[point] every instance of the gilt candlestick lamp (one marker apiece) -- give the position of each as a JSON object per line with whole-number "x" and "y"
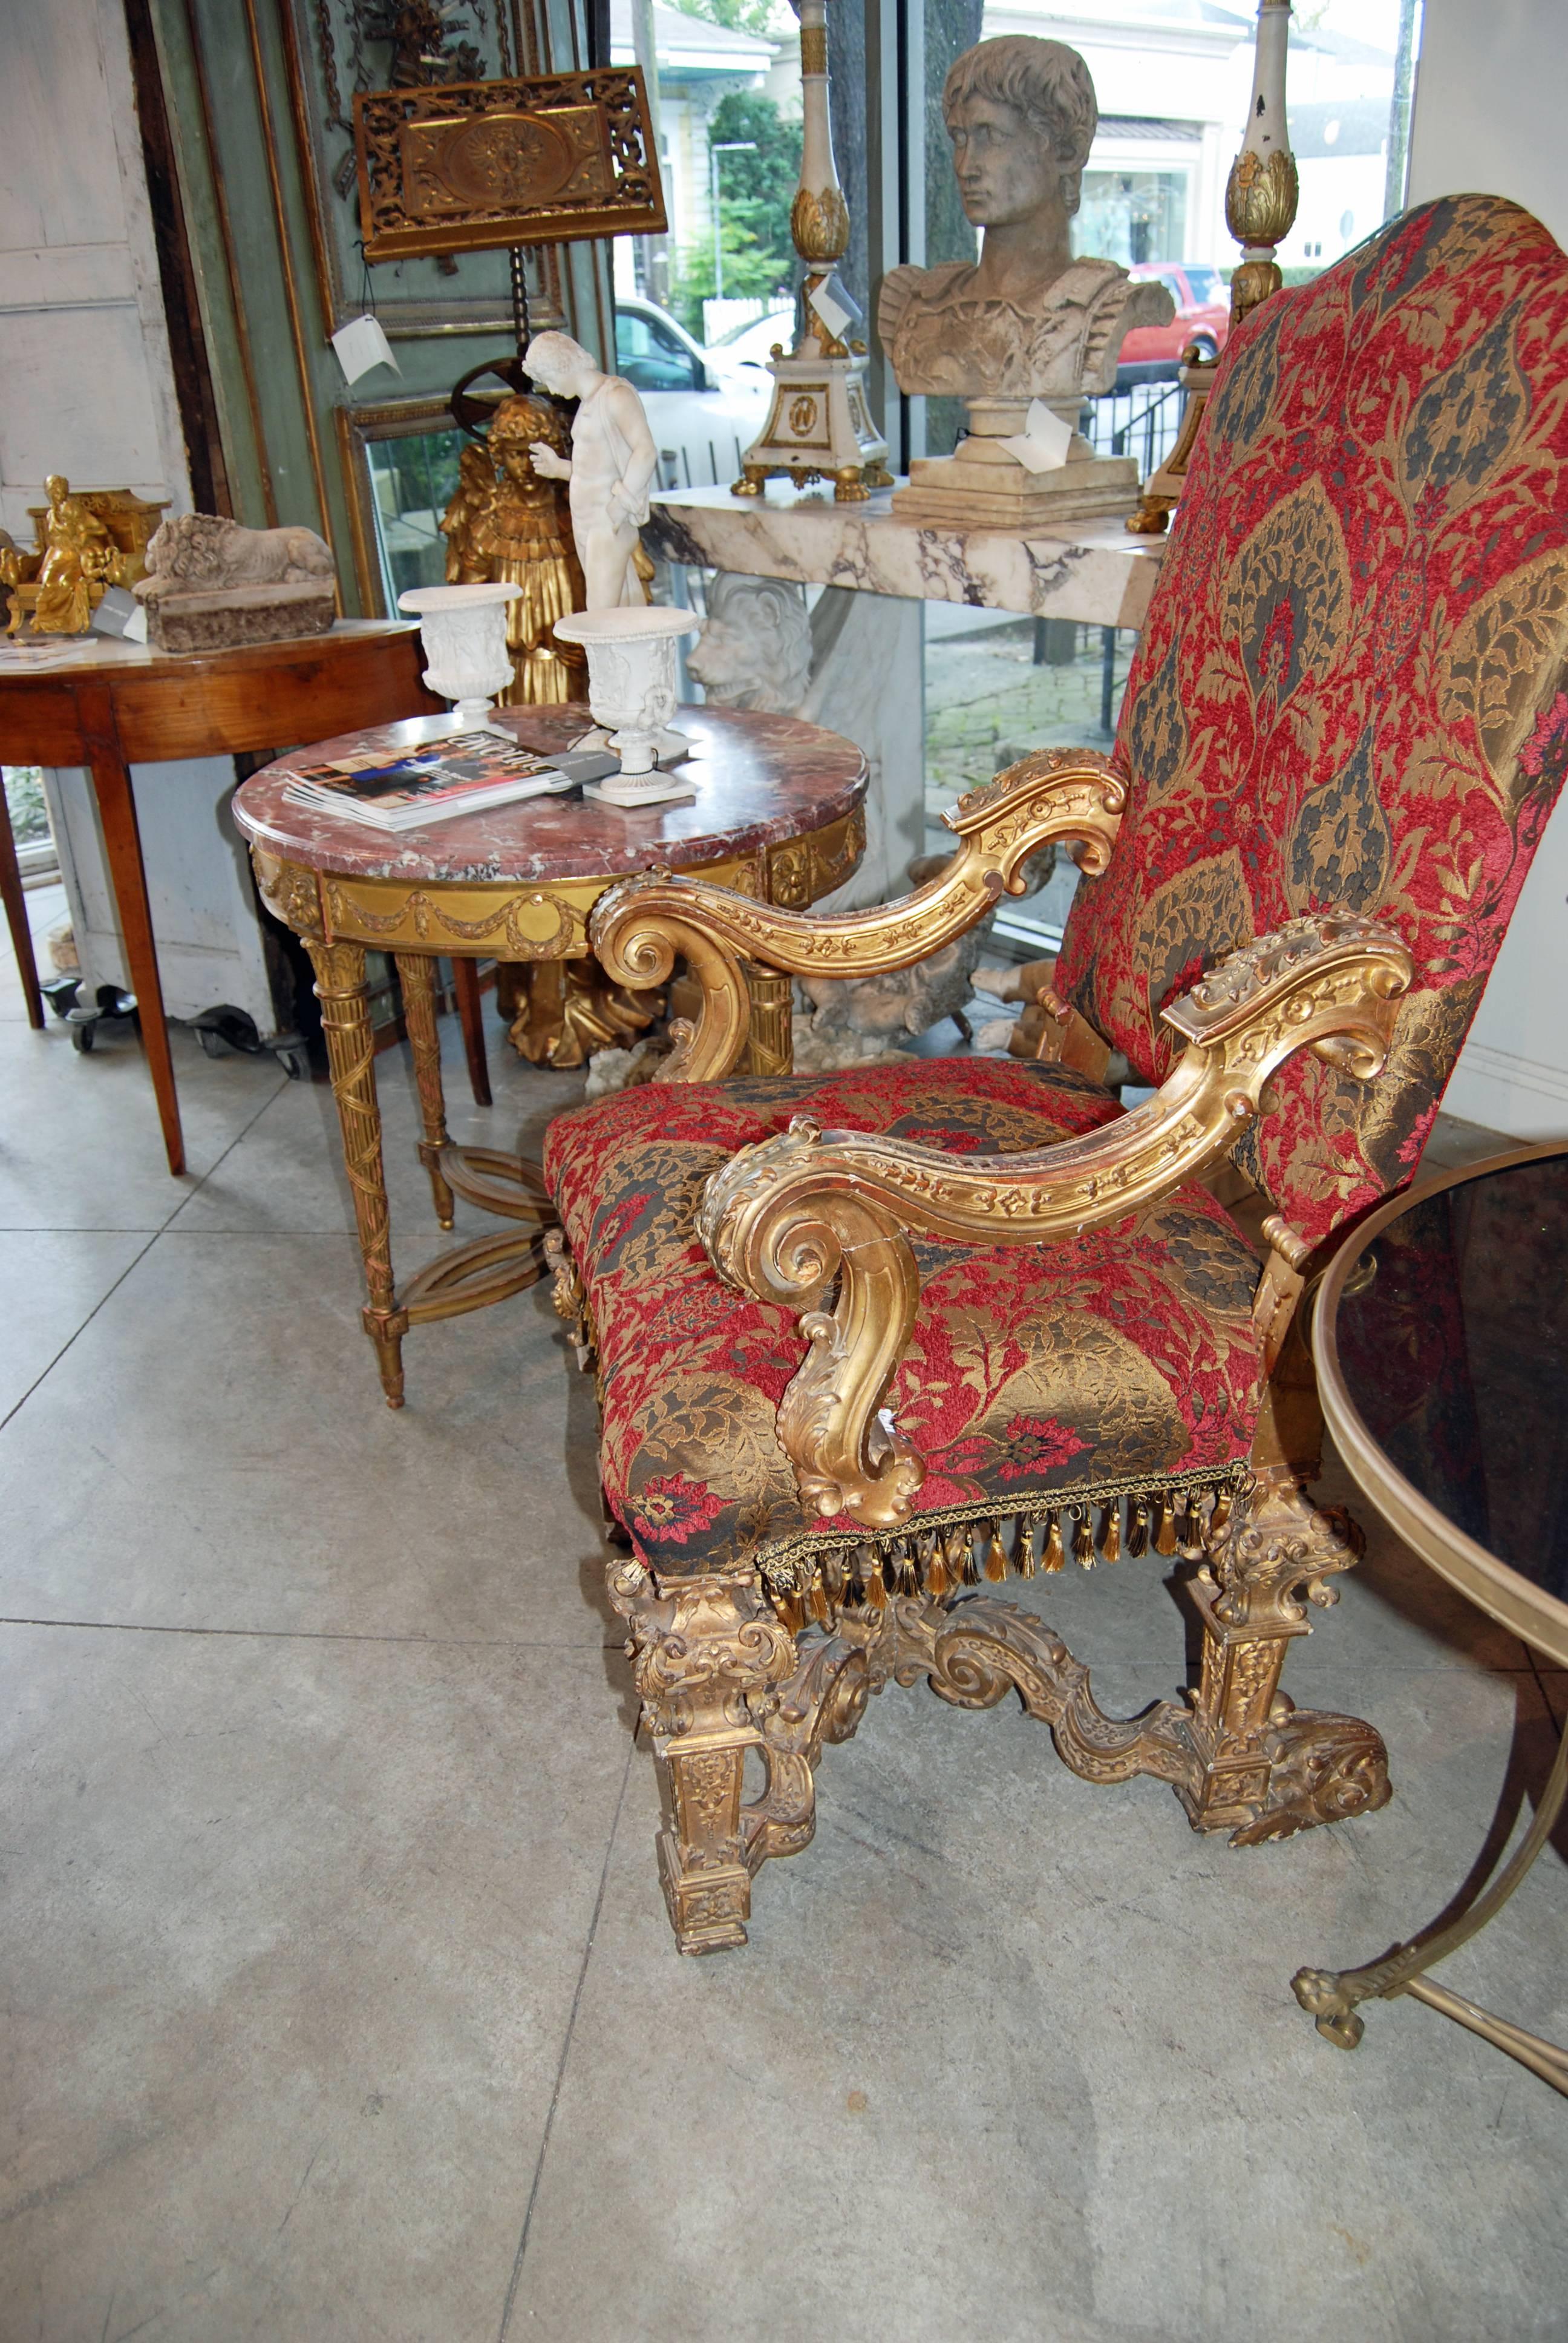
{"x": 820, "y": 426}
{"x": 464, "y": 632}
{"x": 631, "y": 692}
{"x": 1263, "y": 190}
{"x": 1260, "y": 199}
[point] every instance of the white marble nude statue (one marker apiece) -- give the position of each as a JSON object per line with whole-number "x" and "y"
{"x": 612, "y": 467}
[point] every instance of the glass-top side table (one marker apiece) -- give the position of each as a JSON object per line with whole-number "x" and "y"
{"x": 1441, "y": 1332}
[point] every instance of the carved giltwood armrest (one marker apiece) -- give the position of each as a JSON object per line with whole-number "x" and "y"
{"x": 641, "y": 927}
{"x": 785, "y": 1217}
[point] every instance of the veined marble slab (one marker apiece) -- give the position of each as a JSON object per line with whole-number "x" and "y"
{"x": 1103, "y": 577}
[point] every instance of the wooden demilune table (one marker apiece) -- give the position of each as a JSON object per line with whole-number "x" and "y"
{"x": 778, "y": 814}
{"x": 125, "y": 704}
{"x": 1441, "y": 1342}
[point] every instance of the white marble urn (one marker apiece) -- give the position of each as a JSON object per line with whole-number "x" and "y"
{"x": 464, "y": 632}
{"x": 631, "y": 692}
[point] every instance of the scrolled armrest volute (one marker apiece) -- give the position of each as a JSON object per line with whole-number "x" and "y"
{"x": 789, "y": 1246}
{"x": 640, "y": 927}
{"x": 783, "y": 1218}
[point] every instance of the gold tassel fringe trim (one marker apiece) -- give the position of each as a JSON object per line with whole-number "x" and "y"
{"x": 940, "y": 1556}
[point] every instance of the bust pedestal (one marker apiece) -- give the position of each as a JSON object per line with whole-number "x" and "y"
{"x": 983, "y": 485}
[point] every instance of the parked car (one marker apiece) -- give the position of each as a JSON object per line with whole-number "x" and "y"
{"x": 749, "y": 348}
{"x": 704, "y": 408}
{"x": 1202, "y": 316}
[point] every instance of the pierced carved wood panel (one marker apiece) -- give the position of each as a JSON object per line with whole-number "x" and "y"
{"x": 549, "y": 158}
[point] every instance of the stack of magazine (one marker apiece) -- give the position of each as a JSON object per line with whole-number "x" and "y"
{"x": 468, "y": 772}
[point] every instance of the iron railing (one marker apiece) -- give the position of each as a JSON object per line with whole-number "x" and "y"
{"x": 1142, "y": 422}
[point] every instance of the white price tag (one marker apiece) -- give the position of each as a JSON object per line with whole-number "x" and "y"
{"x": 831, "y": 311}
{"x": 361, "y": 344}
{"x": 1042, "y": 445}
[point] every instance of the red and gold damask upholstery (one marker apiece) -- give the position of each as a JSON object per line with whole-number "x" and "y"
{"x": 1351, "y": 690}
{"x": 1125, "y": 1361}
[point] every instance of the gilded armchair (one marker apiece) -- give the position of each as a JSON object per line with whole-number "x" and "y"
{"x": 865, "y": 1343}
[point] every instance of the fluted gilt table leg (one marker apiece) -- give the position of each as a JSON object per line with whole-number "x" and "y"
{"x": 416, "y": 974}
{"x": 345, "y": 1000}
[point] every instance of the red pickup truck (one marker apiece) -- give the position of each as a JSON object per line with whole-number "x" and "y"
{"x": 1202, "y": 312}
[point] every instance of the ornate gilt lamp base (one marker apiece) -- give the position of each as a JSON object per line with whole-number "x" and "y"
{"x": 819, "y": 427}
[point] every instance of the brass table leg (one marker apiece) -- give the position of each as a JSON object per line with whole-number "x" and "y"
{"x": 1330, "y": 1995}
{"x": 341, "y": 990}
{"x": 417, "y": 975}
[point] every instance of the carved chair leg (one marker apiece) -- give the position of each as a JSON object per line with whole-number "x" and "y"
{"x": 1266, "y": 1768}
{"x": 719, "y": 1674}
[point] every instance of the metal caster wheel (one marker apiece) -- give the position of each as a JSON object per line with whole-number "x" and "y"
{"x": 109, "y": 1003}
{"x": 226, "y": 1027}
{"x": 61, "y": 993}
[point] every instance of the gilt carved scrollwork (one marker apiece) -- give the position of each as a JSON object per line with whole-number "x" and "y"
{"x": 641, "y": 927}
{"x": 809, "y": 1204}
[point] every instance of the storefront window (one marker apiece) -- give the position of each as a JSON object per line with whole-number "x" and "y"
{"x": 1133, "y": 216}
{"x": 727, "y": 100}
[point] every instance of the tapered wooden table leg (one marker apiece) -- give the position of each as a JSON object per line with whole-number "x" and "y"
{"x": 345, "y": 1000}
{"x": 471, "y": 1016}
{"x": 417, "y": 975}
{"x": 123, "y": 847}
{"x": 13, "y": 896}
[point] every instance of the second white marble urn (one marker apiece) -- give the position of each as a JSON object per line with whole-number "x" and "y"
{"x": 631, "y": 691}
{"x": 464, "y": 632}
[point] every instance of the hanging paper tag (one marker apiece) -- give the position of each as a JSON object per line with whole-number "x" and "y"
{"x": 1042, "y": 445}
{"x": 832, "y": 310}
{"x": 116, "y": 613}
{"x": 361, "y": 344}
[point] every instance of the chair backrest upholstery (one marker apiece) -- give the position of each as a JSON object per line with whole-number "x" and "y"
{"x": 1350, "y": 687}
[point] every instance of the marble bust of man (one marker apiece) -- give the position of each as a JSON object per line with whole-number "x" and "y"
{"x": 1027, "y": 320}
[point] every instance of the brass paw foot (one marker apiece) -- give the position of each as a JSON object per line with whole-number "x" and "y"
{"x": 1323, "y": 1999}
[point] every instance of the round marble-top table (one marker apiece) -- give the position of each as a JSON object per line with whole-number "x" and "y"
{"x": 778, "y": 814}
{"x": 1441, "y": 1332}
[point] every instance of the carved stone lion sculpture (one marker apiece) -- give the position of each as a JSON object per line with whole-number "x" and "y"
{"x": 755, "y": 651}
{"x": 214, "y": 585}
{"x": 201, "y": 549}
{"x": 859, "y": 1020}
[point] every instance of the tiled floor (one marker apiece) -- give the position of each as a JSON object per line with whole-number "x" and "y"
{"x": 340, "y": 1999}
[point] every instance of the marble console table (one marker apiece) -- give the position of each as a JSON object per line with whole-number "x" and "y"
{"x": 868, "y": 683}
{"x": 1103, "y": 577}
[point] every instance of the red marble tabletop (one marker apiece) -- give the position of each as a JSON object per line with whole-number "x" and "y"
{"x": 759, "y": 780}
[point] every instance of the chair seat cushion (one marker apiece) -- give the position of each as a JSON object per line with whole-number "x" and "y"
{"x": 1035, "y": 1375}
